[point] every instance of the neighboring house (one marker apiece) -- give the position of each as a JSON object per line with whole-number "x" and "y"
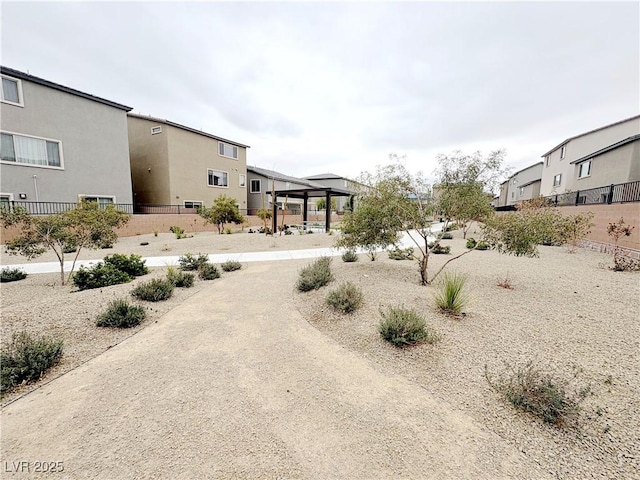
{"x": 336, "y": 181}
{"x": 599, "y": 157}
{"x": 524, "y": 184}
{"x": 61, "y": 145}
{"x": 504, "y": 194}
{"x": 261, "y": 182}
{"x": 172, "y": 164}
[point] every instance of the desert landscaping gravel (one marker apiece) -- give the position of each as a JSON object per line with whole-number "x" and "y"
{"x": 566, "y": 312}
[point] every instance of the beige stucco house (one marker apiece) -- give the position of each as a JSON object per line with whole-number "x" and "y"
{"x": 336, "y": 181}
{"x": 59, "y": 144}
{"x": 172, "y": 164}
{"x": 606, "y": 155}
{"x": 524, "y": 184}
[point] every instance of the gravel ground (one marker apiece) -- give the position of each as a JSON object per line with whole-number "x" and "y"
{"x": 566, "y": 312}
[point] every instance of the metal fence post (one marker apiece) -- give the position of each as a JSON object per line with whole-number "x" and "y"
{"x": 610, "y": 196}
{"x": 577, "y": 197}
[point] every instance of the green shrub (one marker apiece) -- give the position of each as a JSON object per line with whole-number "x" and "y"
{"x": 69, "y": 248}
{"x": 180, "y": 279}
{"x": 440, "y": 249}
{"x": 346, "y": 298}
{"x": 471, "y": 243}
{"x": 228, "y": 231}
{"x": 539, "y": 393}
{"x": 350, "y": 256}
{"x": 446, "y": 236}
{"x": 231, "y": 266}
{"x": 452, "y": 297}
{"x": 154, "y": 290}
{"x": 98, "y": 276}
{"x": 121, "y": 314}
{"x": 10, "y": 274}
{"x": 316, "y": 275}
{"x": 191, "y": 262}
{"x": 178, "y": 231}
{"x": 483, "y": 245}
{"x": 452, "y": 226}
{"x": 26, "y": 359}
{"x": 402, "y": 326}
{"x": 208, "y": 271}
{"x": 401, "y": 253}
{"x": 133, "y": 265}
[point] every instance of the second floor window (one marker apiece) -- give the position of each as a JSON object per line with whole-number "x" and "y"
{"x": 29, "y": 150}
{"x": 521, "y": 191}
{"x": 243, "y": 180}
{"x": 557, "y": 180}
{"x": 563, "y": 150}
{"x": 10, "y": 91}
{"x": 227, "y": 150}
{"x": 585, "y": 169}
{"x": 255, "y": 186}
{"x": 216, "y": 178}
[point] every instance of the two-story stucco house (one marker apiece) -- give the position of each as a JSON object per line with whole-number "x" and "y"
{"x": 61, "y": 145}
{"x": 336, "y": 181}
{"x": 524, "y": 184}
{"x": 606, "y": 155}
{"x": 172, "y": 164}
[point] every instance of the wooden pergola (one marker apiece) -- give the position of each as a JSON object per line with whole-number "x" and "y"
{"x": 305, "y": 194}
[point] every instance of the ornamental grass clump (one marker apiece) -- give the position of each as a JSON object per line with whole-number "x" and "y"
{"x": 180, "y": 279}
{"x": 452, "y": 296}
{"x": 347, "y": 298}
{"x": 402, "y": 327}
{"x": 316, "y": 275}
{"x": 154, "y": 290}
{"x": 538, "y": 393}
{"x": 121, "y": 314}
{"x": 26, "y": 359}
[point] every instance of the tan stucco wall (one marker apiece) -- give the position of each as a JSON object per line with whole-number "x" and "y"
{"x": 578, "y": 148}
{"x": 524, "y": 177}
{"x": 617, "y": 166}
{"x": 149, "y": 162}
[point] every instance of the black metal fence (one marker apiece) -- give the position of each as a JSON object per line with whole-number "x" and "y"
{"x": 614, "y": 193}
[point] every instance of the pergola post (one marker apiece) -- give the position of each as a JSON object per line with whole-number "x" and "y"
{"x": 305, "y": 210}
{"x": 275, "y": 217}
{"x": 327, "y": 220}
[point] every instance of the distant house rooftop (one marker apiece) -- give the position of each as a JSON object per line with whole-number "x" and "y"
{"x": 324, "y": 176}
{"x": 41, "y": 81}
{"x": 613, "y": 146}
{"x": 282, "y": 177}
{"x": 184, "y": 127}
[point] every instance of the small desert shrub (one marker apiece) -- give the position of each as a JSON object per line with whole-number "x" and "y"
{"x": 483, "y": 245}
{"x": 538, "y": 393}
{"x": 288, "y": 232}
{"x": 451, "y": 227}
{"x": 452, "y": 297}
{"x": 154, "y": 290}
{"x": 231, "y": 266}
{"x": 401, "y": 253}
{"x": 227, "y": 231}
{"x": 26, "y": 359}
{"x": 505, "y": 282}
{"x": 133, "y": 265}
{"x": 440, "y": 249}
{"x": 315, "y": 275}
{"x": 177, "y": 231}
{"x": 350, "y": 256}
{"x": 180, "y": 279}
{"x": 447, "y": 236}
{"x": 402, "y": 326}
{"x": 191, "y": 262}
{"x": 471, "y": 243}
{"x": 346, "y": 298}
{"x": 98, "y": 276}
{"x": 208, "y": 271}
{"x": 69, "y": 248}
{"x": 10, "y": 274}
{"x": 121, "y": 314}
{"x": 155, "y": 233}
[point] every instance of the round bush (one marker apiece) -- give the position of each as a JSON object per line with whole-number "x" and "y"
{"x": 402, "y": 327}
{"x": 231, "y": 266}
{"x": 316, "y": 275}
{"x": 209, "y": 271}
{"x": 133, "y": 265}
{"x": 154, "y": 290}
{"x": 350, "y": 256}
{"x": 98, "y": 276}
{"x": 121, "y": 315}
{"x": 346, "y": 298}
{"x": 9, "y": 274}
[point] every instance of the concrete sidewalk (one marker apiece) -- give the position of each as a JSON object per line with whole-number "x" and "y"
{"x": 234, "y": 383}
{"x": 163, "y": 261}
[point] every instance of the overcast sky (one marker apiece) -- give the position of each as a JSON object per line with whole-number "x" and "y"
{"x": 337, "y": 87}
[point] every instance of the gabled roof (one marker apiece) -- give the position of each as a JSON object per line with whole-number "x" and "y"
{"x": 526, "y": 168}
{"x": 46, "y": 83}
{"x": 613, "y": 146}
{"x": 588, "y": 133}
{"x": 282, "y": 177}
{"x": 184, "y": 127}
{"x": 325, "y": 176}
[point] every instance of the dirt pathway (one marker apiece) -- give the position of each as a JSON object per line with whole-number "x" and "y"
{"x": 229, "y": 385}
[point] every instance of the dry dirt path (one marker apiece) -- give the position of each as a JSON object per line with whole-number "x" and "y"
{"x": 232, "y": 385}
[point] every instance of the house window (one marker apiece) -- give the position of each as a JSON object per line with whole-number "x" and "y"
{"x": 585, "y": 169}
{"x": 30, "y": 150}
{"x": 243, "y": 180}
{"x": 5, "y": 201}
{"x": 156, "y": 130}
{"x": 102, "y": 201}
{"x": 546, "y": 160}
{"x": 227, "y": 150}
{"x": 563, "y": 150}
{"x": 255, "y": 186}
{"x": 216, "y": 178}
{"x": 521, "y": 191}
{"x": 11, "y": 91}
{"x": 192, "y": 204}
{"x": 557, "y": 180}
